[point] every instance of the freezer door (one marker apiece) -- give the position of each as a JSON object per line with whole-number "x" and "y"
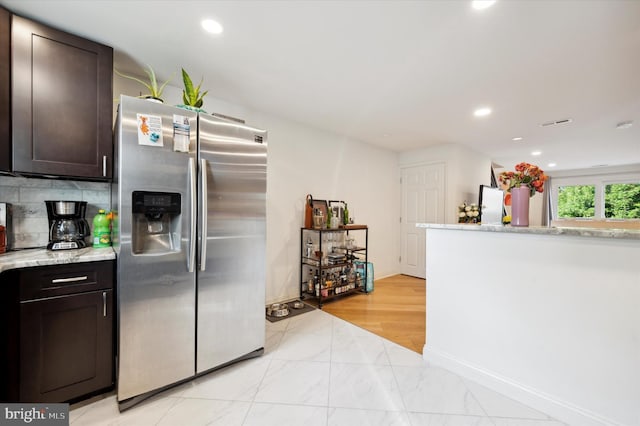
{"x": 156, "y": 291}
{"x": 231, "y": 263}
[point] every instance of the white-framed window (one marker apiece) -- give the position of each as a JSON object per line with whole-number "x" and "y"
{"x": 597, "y": 196}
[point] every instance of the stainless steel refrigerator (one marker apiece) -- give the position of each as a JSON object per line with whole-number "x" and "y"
{"x": 189, "y": 230}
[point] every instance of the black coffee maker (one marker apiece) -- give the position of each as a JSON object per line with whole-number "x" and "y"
{"x": 68, "y": 229}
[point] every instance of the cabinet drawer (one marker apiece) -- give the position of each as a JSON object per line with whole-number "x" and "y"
{"x": 59, "y": 280}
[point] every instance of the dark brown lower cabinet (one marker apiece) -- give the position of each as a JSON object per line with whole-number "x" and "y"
{"x": 57, "y": 323}
{"x": 66, "y": 346}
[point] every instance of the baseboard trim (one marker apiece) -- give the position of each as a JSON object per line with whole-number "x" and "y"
{"x": 553, "y": 406}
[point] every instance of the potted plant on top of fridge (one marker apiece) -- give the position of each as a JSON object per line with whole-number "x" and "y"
{"x": 155, "y": 91}
{"x": 191, "y": 95}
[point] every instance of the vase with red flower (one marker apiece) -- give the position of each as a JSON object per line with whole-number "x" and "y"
{"x": 521, "y": 185}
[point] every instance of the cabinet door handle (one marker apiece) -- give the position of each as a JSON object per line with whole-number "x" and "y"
{"x": 104, "y": 303}
{"x": 104, "y": 165}
{"x": 69, "y": 280}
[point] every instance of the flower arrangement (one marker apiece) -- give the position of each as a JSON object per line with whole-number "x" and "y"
{"x": 526, "y": 174}
{"x": 468, "y": 213}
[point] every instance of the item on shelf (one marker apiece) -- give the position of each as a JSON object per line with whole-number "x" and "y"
{"x": 308, "y": 212}
{"x": 338, "y": 209}
{"x": 318, "y": 219}
{"x": 345, "y": 219}
{"x": 351, "y": 243}
{"x": 311, "y": 281}
{"x": 351, "y": 276}
{"x": 309, "y": 251}
{"x": 334, "y": 222}
{"x": 335, "y": 258}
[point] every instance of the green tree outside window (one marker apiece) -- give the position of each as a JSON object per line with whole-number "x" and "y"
{"x": 622, "y": 201}
{"x": 577, "y": 201}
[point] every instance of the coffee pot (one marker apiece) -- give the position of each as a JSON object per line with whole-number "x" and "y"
{"x": 68, "y": 228}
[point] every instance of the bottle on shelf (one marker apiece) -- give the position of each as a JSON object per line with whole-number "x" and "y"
{"x": 311, "y": 282}
{"x": 345, "y": 218}
{"x": 309, "y": 250}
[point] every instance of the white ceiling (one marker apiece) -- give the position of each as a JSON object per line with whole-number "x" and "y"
{"x": 399, "y": 74}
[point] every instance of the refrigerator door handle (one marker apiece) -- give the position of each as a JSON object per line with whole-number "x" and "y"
{"x": 192, "y": 240}
{"x": 205, "y": 202}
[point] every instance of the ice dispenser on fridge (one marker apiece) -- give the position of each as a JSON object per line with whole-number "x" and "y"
{"x": 156, "y": 222}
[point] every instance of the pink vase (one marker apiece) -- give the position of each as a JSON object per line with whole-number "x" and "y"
{"x": 520, "y": 206}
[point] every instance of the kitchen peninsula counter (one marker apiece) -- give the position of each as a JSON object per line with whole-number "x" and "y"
{"x": 541, "y": 230}
{"x": 546, "y": 316}
{"x": 43, "y": 257}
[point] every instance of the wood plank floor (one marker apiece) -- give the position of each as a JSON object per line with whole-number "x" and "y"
{"x": 394, "y": 310}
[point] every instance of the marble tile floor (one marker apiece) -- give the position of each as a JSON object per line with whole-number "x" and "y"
{"x": 321, "y": 370}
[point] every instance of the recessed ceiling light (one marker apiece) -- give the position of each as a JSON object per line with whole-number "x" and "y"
{"x": 551, "y": 165}
{"x": 624, "y": 124}
{"x": 482, "y": 112}
{"x": 482, "y": 4}
{"x": 536, "y": 153}
{"x": 212, "y": 26}
{"x": 517, "y": 139}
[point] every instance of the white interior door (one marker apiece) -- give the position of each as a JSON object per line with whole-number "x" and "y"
{"x": 422, "y": 202}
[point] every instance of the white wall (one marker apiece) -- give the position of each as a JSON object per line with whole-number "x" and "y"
{"x": 466, "y": 170}
{"x": 556, "y": 329}
{"x": 304, "y": 160}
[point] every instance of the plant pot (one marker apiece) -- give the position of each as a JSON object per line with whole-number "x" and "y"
{"x": 191, "y": 108}
{"x": 154, "y": 99}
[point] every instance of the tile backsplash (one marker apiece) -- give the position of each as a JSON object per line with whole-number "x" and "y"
{"x": 29, "y": 214}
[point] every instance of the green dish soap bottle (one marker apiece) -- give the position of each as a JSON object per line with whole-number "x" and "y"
{"x": 101, "y": 230}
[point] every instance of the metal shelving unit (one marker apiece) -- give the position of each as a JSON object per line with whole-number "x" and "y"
{"x": 328, "y": 267}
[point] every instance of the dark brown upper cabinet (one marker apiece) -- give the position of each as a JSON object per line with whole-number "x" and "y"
{"x": 5, "y": 90}
{"x": 62, "y": 99}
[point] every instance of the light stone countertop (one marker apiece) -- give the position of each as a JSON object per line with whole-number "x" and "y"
{"x": 43, "y": 257}
{"x": 629, "y": 234}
